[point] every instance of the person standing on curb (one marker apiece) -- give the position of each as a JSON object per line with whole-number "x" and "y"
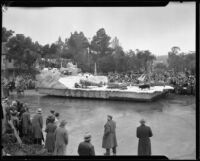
{"x": 109, "y": 138}
{"x": 85, "y": 148}
{"x": 144, "y": 133}
{"x": 61, "y": 136}
{"x": 37, "y": 125}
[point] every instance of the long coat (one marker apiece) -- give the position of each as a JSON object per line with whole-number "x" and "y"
{"x": 50, "y": 137}
{"x": 26, "y": 123}
{"x": 86, "y": 149}
{"x": 109, "y": 138}
{"x": 144, "y": 144}
{"x": 37, "y": 124}
{"x": 61, "y": 141}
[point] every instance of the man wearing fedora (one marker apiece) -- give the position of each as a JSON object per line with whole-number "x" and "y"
{"x": 37, "y": 125}
{"x": 109, "y": 138}
{"x": 144, "y": 133}
{"x": 85, "y": 148}
{"x": 61, "y": 136}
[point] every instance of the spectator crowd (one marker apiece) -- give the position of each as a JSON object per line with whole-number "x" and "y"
{"x": 183, "y": 83}
{"x": 19, "y": 83}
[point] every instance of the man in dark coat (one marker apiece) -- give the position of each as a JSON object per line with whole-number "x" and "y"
{"x": 109, "y": 138}
{"x": 37, "y": 125}
{"x": 52, "y": 114}
{"x": 50, "y": 137}
{"x": 85, "y": 148}
{"x": 26, "y": 122}
{"x": 144, "y": 144}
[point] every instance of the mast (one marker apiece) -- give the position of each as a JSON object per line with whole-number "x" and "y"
{"x": 95, "y": 69}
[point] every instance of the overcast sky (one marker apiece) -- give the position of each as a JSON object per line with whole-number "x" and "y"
{"x": 154, "y": 28}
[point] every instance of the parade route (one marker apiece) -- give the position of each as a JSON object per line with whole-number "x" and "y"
{"x": 172, "y": 121}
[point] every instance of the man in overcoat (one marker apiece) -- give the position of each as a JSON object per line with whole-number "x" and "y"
{"x": 37, "y": 125}
{"x": 50, "y": 137}
{"x": 109, "y": 138}
{"x": 144, "y": 133}
{"x": 61, "y": 139}
{"x": 85, "y": 148}
{"x": 26, "y": 122}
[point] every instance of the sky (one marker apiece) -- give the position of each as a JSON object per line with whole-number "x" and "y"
{"x": 146, "y": 28}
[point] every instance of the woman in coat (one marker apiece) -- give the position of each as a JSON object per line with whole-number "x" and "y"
{"x": 50, "y": 137}
{"x": 144, "y": 133}
{"x": 61, "y": 136}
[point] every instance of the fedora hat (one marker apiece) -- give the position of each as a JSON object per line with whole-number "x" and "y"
{"x": 39, "y": 110}
{"x": 87, "y": 136}
{"x": 109, "y": 116}
{"x": 63, "y": 123}
{"x": 142, "y": 121}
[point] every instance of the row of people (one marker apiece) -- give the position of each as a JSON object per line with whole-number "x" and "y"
{"x": 57, "y": 135}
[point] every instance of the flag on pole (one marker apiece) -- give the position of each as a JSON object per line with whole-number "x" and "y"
{"x": 142, "y": 77}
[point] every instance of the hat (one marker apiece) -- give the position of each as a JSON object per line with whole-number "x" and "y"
{"x": 39, "y": 110}
{"x": 25, "y": 105}
{"x": 109, "y": 116}
{"x": 14, "y": 103}
{"x": 6, "y": 99}
{"x": 87, "y": 136}
{"x": 63, "y": 123}
{"x": 142, "y": 121}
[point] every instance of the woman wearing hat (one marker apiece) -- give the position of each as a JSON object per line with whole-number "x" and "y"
{"x": 50, "y": 137}
{"x": 37, "y": 125}
{"x": 144, "y": 133}
{"x": 61, "y": 141}
{"x": 85, "y": 148}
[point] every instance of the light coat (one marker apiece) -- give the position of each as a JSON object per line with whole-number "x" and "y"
{"x": 61, "y": 141}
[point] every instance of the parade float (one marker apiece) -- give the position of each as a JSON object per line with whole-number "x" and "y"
{"x": 71, "y": 83}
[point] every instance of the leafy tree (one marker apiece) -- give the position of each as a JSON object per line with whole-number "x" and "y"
{"x": 145, "y": 59}
{"x": 45, "y": 50}
{"x": 78, "y": 48}
{"x": 6, "y": 34}
{"x": 132, "y": 61}
{"x": 23, "y": 51}
{"x": 100, "y": 42}
{"x": 106, "y": 64}
{"x": 119, "y": 59}
{"x": 160, "y": 67}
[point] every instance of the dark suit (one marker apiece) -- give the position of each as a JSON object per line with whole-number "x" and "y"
{"x": 144, "y": 144}
{"x": 86, "y": 148}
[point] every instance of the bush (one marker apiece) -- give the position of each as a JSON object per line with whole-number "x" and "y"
{"x": 8, "y": 139}
{"x": 24, "y": 149}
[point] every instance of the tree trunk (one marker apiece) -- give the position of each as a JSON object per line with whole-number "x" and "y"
{"x": 15, "y": 132}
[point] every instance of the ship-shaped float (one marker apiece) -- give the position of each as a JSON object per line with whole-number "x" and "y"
{"x": 70, "y": 82}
